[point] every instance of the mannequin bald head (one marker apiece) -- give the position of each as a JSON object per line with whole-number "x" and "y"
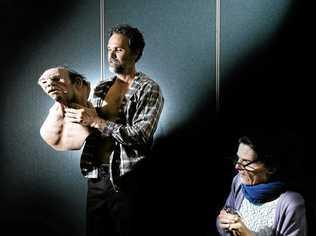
{"x": 65, "y": 85}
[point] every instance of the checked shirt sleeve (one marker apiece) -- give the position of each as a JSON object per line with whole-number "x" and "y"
{"x": 145, "y": 119}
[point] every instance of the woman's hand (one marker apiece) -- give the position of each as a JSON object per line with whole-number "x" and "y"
{"x": 232, "y": 223}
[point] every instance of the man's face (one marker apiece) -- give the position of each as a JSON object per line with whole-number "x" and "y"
{"x": 120, "y": 58}
{"x": 57, "y": 84}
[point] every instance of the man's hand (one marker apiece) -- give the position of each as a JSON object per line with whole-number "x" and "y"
{"x": 86, "y": 116}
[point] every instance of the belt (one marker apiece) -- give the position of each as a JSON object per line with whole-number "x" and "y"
{"x": 103, "y": 170}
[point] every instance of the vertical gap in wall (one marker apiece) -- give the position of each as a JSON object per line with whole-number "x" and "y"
{"x": 217, "y": 53}
{"x": 102, "y": 55}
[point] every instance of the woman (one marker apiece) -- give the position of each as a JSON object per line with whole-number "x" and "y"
{"x": 259, "y": 202}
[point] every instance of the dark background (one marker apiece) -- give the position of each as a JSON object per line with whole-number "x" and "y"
{"x": 266, "y": 76}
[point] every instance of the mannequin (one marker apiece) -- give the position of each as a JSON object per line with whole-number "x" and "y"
{"x": 69, "y": 89}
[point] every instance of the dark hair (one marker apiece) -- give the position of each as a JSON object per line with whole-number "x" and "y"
{"x": 269, "y": 149}
{"x": 282, "y": 152}
{"x": 136, "y": 40}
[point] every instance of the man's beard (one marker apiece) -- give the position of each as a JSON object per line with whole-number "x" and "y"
{"x": 117, "y": 69}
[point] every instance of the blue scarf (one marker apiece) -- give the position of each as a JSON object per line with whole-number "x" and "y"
{"x": 265, "y": 192}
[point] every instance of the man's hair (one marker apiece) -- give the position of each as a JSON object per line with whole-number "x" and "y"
{"x": 136, "y": 40}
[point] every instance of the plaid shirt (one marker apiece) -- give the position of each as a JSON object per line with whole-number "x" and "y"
{"x": 132, "y": 132}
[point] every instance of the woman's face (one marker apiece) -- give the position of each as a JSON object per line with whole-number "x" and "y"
{"x": 250, "y": 170}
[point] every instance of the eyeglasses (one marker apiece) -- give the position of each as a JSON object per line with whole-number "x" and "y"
{"x": 242, "y": 166}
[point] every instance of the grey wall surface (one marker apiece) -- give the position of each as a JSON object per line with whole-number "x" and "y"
{"x": 264, "y": 82}
{"x": 43, "y": 191}
{"x": 248, "y": 26}
{"x": 179, "y": 52}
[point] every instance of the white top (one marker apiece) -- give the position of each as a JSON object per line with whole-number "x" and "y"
{"x": 259, "y": 218}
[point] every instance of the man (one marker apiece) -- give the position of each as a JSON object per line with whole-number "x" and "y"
{"x": 67, "y": 88}
{"x": 124, "y": 119}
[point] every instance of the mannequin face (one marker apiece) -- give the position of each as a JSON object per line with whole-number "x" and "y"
{"x": 250, "y": 170}
{"x": 58, "y": 85}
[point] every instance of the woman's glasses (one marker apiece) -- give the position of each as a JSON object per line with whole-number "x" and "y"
{"x": 244, "y": 165}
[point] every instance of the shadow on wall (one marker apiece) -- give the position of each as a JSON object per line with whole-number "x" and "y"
{"x": 181, "y": 179}
{"x": 185, "y": 182}
{"x": 270, "y": 89}
{"x": 189, "y": 178}
{"x": 36, "y": 217}
{"x": 36, "y": 227}
{"x": 23, "y": 23}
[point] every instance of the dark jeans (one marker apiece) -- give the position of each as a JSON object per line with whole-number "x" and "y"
{"x": 110, "y": 212}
